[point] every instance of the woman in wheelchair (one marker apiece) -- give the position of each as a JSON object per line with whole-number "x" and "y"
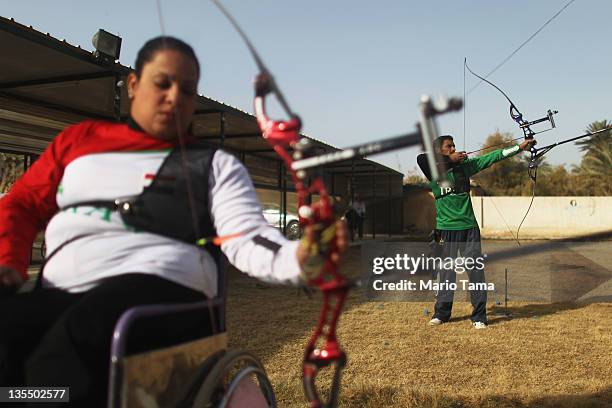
{"x": 126, "y": 208}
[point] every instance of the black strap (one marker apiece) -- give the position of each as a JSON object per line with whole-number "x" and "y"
{"x": 111, "y": 205}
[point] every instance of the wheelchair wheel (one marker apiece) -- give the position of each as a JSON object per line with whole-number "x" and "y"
{"x": 235, "y": 368}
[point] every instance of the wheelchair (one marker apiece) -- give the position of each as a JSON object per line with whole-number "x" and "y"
{"x": 197, "y": 373}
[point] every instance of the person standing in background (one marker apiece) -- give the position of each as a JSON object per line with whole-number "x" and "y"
{"x": 359, "y": 209}
{"x": 457, "y": 230}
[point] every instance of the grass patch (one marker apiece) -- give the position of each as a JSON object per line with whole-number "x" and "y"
{"x": 546, "y": 355}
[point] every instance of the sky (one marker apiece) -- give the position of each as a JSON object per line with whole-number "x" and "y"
{"x": 355, "y": 70}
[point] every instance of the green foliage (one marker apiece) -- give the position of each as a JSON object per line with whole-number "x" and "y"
{"x": 508, "y": 177}
{"x": 595, "y": 170}
{"x": 591, "y": 143}
{"x": 591, "y": 178}
{"x": 415, "y": 179}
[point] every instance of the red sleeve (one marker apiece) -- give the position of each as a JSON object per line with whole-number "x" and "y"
{"x": 31, "y": 203}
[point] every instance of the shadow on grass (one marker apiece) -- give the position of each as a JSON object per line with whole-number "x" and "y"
{"x": 265, "y": 319}
{"x": 499, "y": 314}
{"x": 533, "y": 311}
{"x": 459, "y": 319}
{"x": 593, "y": 400}
{"x": 408, "y": 398}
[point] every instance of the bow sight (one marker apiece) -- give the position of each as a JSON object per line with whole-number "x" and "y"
{"x": 526, "y": 125}
{"x": 529, "y": 133}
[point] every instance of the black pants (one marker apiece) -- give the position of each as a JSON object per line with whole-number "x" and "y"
{"x": 467, "y": 244}
{"x": 359, "y": 222}
{"x": 50, "y": 337}
{"x": 350, "y": 219}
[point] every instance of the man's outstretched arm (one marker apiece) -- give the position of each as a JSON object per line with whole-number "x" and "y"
{"x": 478, "y": 164}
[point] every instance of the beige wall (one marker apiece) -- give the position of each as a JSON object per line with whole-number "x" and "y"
{"x": 549, "y": 217}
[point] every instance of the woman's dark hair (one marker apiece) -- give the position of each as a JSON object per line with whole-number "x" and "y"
{"x": 148, "y": 50}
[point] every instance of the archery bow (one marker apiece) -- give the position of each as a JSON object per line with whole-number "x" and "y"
{"x": 283, "y": 135}
{"x": 516, "y": 115}
{"x": 528, "y": 134}
{"x": 537, "y": 153}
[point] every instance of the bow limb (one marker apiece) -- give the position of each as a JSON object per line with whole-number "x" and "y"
{"x": 536, "y": 154}
{"x": 515, "y": 114}
{"x": 268, "y": 82}
{"x": 513, "y": 108}
{"x": 283, "y": 135}
{"x": 528, "y": 133}
{"x": 191, "y": 196}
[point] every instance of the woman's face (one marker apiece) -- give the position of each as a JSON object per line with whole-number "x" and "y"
{"x": 164, "y": 96}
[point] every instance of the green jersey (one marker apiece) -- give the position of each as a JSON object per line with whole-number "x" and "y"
{"x": 453, "y": 205}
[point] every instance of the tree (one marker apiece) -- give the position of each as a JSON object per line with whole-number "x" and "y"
{"x": 508, "y": 177}
{"x": 415, "y": 179}
{"x": 592, "y": 142}
{"x": 595, "y": 169}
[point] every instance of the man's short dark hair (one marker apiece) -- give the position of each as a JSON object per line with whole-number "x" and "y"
{"x": 439, "y": 141}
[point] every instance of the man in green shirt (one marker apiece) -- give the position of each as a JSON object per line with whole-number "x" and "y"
{"x": 457, "y": 227}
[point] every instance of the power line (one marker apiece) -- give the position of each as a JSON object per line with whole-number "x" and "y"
{"x": 464, "y": 102}
{"x": 522, "y": 45}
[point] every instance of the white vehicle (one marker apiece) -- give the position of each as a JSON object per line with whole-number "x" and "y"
{"x": 273, "y": 216}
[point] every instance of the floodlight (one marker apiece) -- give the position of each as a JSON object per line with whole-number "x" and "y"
{"x": 107, "y": 45}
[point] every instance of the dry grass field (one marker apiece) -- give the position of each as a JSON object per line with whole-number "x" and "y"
{"x": 544, "y": 355}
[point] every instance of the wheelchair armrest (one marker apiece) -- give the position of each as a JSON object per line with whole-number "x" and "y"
{"x": 129, "y": 317}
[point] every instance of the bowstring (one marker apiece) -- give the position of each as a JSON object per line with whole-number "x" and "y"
{"x": 535, "y": 178}
{"x": 523, "y": 44}
{"x": 464, "y": 101}
{"x": 465, "y": 66}
{"x": 189, "y": 187}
